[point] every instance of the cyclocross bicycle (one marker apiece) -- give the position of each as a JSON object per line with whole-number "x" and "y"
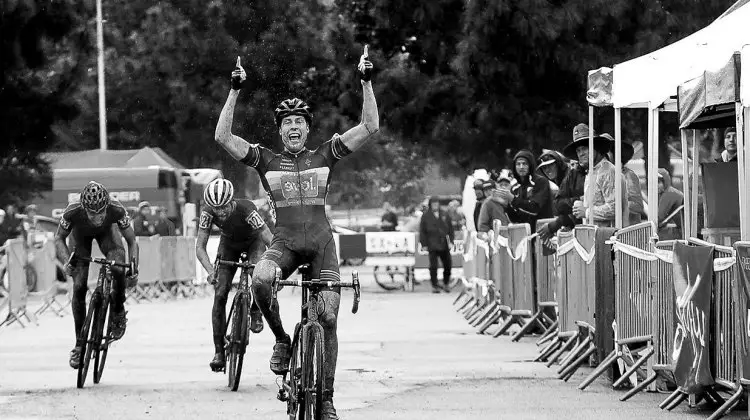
{"x": 236, "y": 339}
{"x": 302, "y": 386}
{"x": 94, "y": 342}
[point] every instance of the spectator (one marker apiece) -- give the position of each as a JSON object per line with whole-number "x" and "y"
{"x": 12, "y": 227}
{"x": 554, "y": 167}
{"x": 670, "y": 208}
{"x": 530, "y": 197}
{"x": 730, "y": 146}
{"x": 602, "y": 209}
{"x": 389, "y": 221}
{"x": 164, "y": 226}
{"x": 633, "y": 184}
{"x": 3, "y": 235}
{"x": 141, "y": 224}
{"x": 479, "y": 191}
{"x": 494, "y": 207}
{"x": 436, "y": 236}
{"x": 35, "y": 235}
{"x": 457, "y": 218}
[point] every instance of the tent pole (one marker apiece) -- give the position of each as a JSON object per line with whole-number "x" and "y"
{"x": 592, "y": 181}
{"x": 686, "y": 185}
{"x": 742, "y": 171}
{"x": 694, "y": 204}
{"x": 618, "y": 171}
{"x": 653, "y": 165}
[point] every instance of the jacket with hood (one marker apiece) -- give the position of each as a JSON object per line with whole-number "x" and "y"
{"x": 532, "y": 198}
{"x": 562, "y": 166}
{"x": 571, "y": 189}
{"x": 669, "y": 201}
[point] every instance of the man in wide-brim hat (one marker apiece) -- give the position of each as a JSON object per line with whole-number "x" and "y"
{"x": 602, "y": 207}
{"x": 635, "y": 199}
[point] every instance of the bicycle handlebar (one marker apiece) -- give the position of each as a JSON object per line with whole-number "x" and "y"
{"x": 354, "y": 284}
{"x": 103, "y": 261}
{"x": 246, "y": 265}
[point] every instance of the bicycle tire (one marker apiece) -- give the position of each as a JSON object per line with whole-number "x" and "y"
{"x": 389, "y": 285}
{"x": 312, "y": 374}
{"x": 85, "y": 357}
{"x": 101, "y": 356}
{"x": 238, "y": 341}
{"x": 293, "y": 405}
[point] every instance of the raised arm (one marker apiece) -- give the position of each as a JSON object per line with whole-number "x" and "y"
{"x": 357, "y": 137}
{"x": 235, "y": 145}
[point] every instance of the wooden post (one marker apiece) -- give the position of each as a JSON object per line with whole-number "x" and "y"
{"x": 694, "y": 204}
{"x": 686, "y": 185}
{"x": 618, "y": 167}
{"x": 592, "y": 181}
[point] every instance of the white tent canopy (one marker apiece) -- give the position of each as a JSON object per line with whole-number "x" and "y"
{"x": 650, "y": 80}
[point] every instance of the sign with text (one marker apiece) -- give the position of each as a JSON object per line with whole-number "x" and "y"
{"x": 743, "y": 329}
{"x": 390, "y": 243}
{"x": 693, "y": 281}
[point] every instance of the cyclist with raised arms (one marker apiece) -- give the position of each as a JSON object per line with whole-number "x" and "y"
{"x": 96, "y": 216}
{"x": 242, "y": 230}
{"x": 296, "y": 180}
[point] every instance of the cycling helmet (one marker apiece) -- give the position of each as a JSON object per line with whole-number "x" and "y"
{"x": 218, "y": 192}
{"x": 292, "y": 106}
{"x": 94, "y": 197}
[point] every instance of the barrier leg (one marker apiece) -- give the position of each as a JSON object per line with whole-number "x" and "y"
{"x": 465, "y": 304}
{"x": 608, "y": 361}
{"x": 460, "y": 296}
{"x": 728, "y": 404}
{"x": 562, "y": 350}
{"x": 714, "y": 396}
{"x": 565, "y": 376}
{"x": 634, "y": 368}
{"x": 505, "y": 326}
{"x": 481, "y": 314}
{"x": 672, "y": 401}
{"x": 641, "y": 386}
{"x": 526, "y": 327}
{"x": 549, "y": 334}
{"x": 574, "y": 354}
{"x": 547, "y": 351}
{"x": 496, "y": 315}
{"x": 474, "y": 311}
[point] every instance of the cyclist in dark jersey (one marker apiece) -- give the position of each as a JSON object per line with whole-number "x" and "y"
{"x": 296, "y": 180}
{"x": 242, "y": 230}
{"x": 96, "y": 216}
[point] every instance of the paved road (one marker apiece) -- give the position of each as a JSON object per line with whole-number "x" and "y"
{"x": 404, "y": 356}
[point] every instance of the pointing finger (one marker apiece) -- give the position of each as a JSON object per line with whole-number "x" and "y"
{"x": 238, "y": 62}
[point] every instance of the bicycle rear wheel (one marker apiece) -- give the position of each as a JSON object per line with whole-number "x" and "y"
{"x": 312, "y": 374}
{"x": 102, "y": 343}
{"x": 237, "y": 340}
{"x": 294, "y": 404}
{"x": 87, "y": 339}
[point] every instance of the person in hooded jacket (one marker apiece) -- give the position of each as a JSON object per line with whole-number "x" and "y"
{"x": 671, "y": 206}
{"x": 553, "y": 166}
{"x": 530, "y": 197}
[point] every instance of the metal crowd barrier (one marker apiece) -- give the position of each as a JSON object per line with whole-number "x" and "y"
{"x": 634, "y": 259}
{"x": 576, "y": 298}
{"x": 545, "y": 270}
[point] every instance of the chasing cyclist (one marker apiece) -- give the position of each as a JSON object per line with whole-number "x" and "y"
{"x": 242, "y": 230}
{"x": 296, "y": 180}
{"x": 96, "y": 216}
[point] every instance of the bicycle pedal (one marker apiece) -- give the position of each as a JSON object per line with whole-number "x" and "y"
{"x": 282, "y": 395}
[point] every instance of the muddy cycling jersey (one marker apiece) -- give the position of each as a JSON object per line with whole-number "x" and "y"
{"x": 243, "y": 224}
{"x": 75, "y": 217}
{"x": 297, "y": 184}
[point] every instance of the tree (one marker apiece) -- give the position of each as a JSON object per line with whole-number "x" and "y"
{"x": 43, "y": 49}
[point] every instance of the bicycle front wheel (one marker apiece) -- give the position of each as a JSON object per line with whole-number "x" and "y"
{"x": 237, "y": 340}
{"x": 87, "y": 339}
{"x": 294, "y": 403}
{"x": 100, "y": 357}
{"x": 312, "y": 373}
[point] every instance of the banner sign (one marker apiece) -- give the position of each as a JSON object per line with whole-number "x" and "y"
{"x": 389, "y": 243}
{"x": 693, "y": 281}
{"x": 743, "y": 330}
